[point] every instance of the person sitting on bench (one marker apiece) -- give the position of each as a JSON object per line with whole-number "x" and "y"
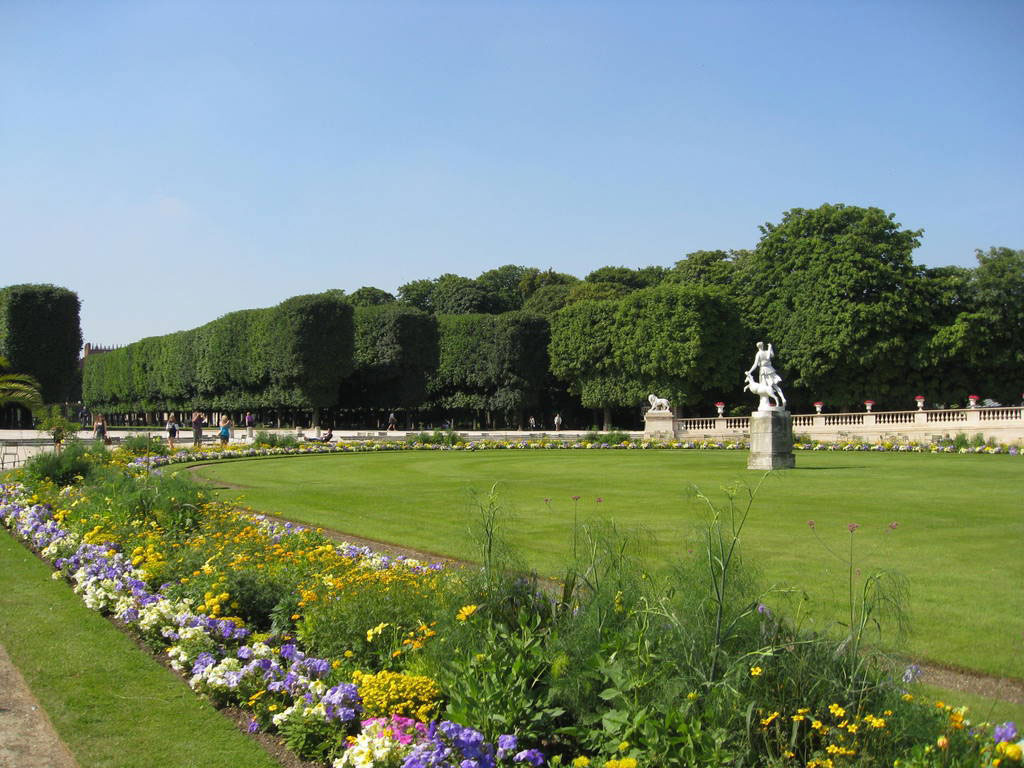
{"x": 327, "y": 437}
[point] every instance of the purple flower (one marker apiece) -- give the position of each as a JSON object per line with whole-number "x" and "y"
{"x": 763, "y": 609}
{"x": 1005, "y": 732}
{"x": 288, "y": 651}
{"x": 254, "y": 726}
{"x": 911, "y": 674}
{"x": 506, "y": 743}
{"x": 531, "y": 756}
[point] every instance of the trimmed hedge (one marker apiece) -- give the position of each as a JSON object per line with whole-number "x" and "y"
{"x": 293, "y": 355}
{"x": 41, "y": 335}
{"x": 396, "y": 349}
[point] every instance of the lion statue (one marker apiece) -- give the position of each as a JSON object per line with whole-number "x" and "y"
{"x": 658, "y": 404}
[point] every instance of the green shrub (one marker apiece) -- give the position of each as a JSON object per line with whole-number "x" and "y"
{"x": 274, "y": 440}
{"x": 69, "y": 466}
{"x": 615, "y": 437}
{"x": 437, "y": 437}
{"x": 145, "y": 445}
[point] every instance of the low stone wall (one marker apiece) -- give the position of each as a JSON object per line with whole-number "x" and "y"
{"x": 1004, "y": 425}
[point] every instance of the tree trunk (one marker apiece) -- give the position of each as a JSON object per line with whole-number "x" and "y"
{"x": 607, "y": 418}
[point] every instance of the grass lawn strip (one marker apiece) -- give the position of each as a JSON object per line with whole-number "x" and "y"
{"x": 112, "y": 704}
{"x": 959, "y": 521}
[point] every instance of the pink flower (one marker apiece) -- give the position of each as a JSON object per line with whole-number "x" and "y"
{"x": 852, "y": 527}
{"x": 894, "y": 525}
{"x": 575, "y": 498}
{"x": 810, "y": 524}
{"x": 599, "y": 499}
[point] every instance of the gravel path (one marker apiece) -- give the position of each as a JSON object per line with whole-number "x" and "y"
{"x": 27, "y": 738}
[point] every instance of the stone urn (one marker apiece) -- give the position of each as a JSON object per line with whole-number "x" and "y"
{"x": 818, "y": 406}
{"x": 868, "y": 404}
{"x": 721, "y": 409}
{"x": 920, "y": 402}
{"x": 973, "y": 400}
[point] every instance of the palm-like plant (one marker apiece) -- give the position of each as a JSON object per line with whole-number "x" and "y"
{"x": 18, "y": 388}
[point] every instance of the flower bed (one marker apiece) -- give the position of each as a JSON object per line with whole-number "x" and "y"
{"x": 240, "y": 451}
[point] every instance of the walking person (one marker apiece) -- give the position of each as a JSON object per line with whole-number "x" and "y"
{"x": 197, "y": 429}
{"x": 225, "y": 431}
{"x": 172, "y": 430}
{"x": 99, "y": 429}
{"x": 558, "y": 421}
{"x": 250, "y": 421}
{"x": 392, "y": 422}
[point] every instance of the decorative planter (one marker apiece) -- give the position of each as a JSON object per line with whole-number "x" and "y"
{"x": 818, "y": 405}
{"x": 868, "y": 404}
{"x": 721, "y": 408}
{"x": 920, "y": 402}
{"x": 973, "y": 399}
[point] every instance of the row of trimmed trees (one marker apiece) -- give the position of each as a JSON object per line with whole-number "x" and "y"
{"x": 834, "y": 289}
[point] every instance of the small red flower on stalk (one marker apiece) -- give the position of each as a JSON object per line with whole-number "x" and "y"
{"x": 575, "y": 498}
{"x": 894, "y": 525}
{"x": 599, "y": 499}
{"x": 810, "y": 524}
{"x": 852, "y": 527}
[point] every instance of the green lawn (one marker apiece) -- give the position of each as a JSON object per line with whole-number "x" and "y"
{"x": 112, "y": 704}
{"x": 961, "y": 521}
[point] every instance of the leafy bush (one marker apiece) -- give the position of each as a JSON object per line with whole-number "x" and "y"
{"x": 274, "y": 440}
{"x": 144, "y": 445}
{"x": 437, "y": 437}
{"x": 69, "y": 466}
{"x": 614, "y": 437}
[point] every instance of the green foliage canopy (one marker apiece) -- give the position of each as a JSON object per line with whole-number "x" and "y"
{"x": 294, "y": 355}
{"x": 396, "y": 349}
{"x": 40, "y": 336}
{"x": 836, "y": 291}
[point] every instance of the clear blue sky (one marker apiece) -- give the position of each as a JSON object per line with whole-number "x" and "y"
{"x": 173, "y": 161}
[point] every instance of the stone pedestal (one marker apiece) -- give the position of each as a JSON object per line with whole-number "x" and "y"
{"x": 771, "y": 440}
{"x": 659, "y": 424}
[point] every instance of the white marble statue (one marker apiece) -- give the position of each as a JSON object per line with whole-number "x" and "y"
{"x": 768, "y": 380}
{"x": 658, "y": 404}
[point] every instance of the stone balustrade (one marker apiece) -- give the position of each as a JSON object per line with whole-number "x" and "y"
{"x": 1005, "y": 425}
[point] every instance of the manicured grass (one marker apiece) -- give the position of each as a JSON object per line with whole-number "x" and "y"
{"x": 958, "y": 541}
{"x": 112, "y": 704}
{"x": 980, "y": 708}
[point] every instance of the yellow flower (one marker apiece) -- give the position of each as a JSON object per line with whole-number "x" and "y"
{"x": 1013, "y": 752}
{"x": 942, "y": 742}
{"x": 623, "y": 746}
{"x": 466, "y": 611}
{"x": 691, "y": 695}
{"x": 581, "y": 762}
{"x": 836, "y": 710}
{"x": 756, "y": 671}
{"x": 768, "y": 720}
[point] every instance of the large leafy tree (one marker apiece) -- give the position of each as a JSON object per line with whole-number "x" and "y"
{"x": 706, "y": 268}
{"x": 835, "y": 289}
{"x": 683, "y": 342}
{"x": 504, "y": 286}
{"x": 368, "y": 296}
{"x": 582, "y": 355}
{"x": 418, "y": 293}
{"x": 978, "y": 328}
{"x": 457, "y": 295}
